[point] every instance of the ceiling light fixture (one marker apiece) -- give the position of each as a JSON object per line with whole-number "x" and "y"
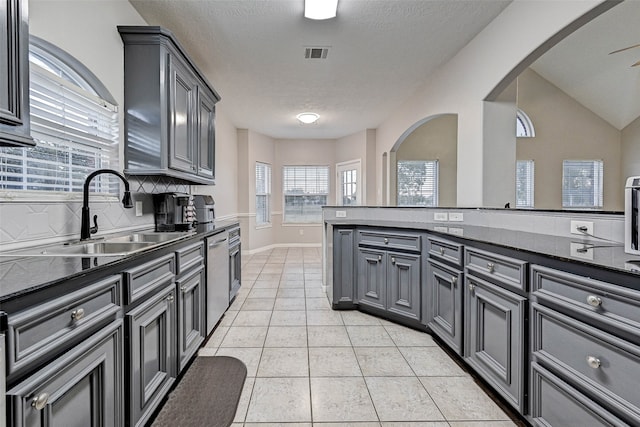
{"x": 320, "y": 9}
{"x": 307, "y": 118}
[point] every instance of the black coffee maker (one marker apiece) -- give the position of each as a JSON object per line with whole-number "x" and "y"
{"x": 174, "y": 212}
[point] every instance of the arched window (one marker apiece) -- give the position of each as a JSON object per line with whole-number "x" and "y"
{"x": 74, "y": 121}
{"x": 524, "y": 126}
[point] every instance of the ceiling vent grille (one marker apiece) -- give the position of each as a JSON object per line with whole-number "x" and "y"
{"x": 316, "y": 52}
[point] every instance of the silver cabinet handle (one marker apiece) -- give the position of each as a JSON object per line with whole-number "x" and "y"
{"x": 393, "y": 260}
{"x": 441, "y": 251}
{"x": 379, "y": 258}
{"x": 40, "y": 401}
{"x": 170, "y": 298}
{"x": 593, "y": 362}
{"x": 386, "y": 241}
{"x": 454, "y": 280}
{"x": 594, "y": 301}
{"x": 491, "y": 267}
{"x": 77, "y": 314}
{"x": 472, "y": 287}
{"x": 183, "y": 288}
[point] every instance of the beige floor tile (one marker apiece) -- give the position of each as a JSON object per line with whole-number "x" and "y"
{"x": 357, "y": 318}
{"x": 263, "y": 293}
{"x": 258, "y": 304}
{"x": 269, "y": 277}
{"x": 406, "y": 337}
{"x": 249, "y": 356}
{"x": 276, "y": 425}
{"x": 382, "y": 362}
{"x": 207, "y": 352}
{"x": 289, "y": 318}
{"x": 284, "y": 362}
{"x": 461, "y": 399}
{"x": 318, "y": 304}
{"x": 402, "y": 399}
{"x": 216, "y": 338}
{"x": 297, "y": 276}
{"x": 290, "y": 293}
{"x": 245, "y": 336}
{"x": 333, "y": 362}
{"x": 266, "y": 284}
{"x": 315, "y": 293}
{"x": 341, "y": 399}
{"x": 243, "y": 403}
{"x": 369, "y": 336}
{"x": 362, "y": 424}
{"x": 286, "y": 336}
{"x": 236, "y": 304}
{"x": 415, "y": 424}
{"x": 252, "y": 318}
{"x": 289, "y": 304}
{"x": 431, "y": 362}
{"x": 483, "y": 424}
{"x": 328, "y": 336}
{"x": 280, "y": 400}
{"x": 323, "y": 317}
{"x": 292, "y": 284}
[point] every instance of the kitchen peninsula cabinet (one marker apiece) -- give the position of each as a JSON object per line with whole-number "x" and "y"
{"x": 170, "y": 108}
{"x": 235, "y": 262}
{"x": 14, "y": 74}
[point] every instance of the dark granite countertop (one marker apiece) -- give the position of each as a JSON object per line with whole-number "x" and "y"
{"x": 601, "y": 254}
{"x": 26, "y": 274}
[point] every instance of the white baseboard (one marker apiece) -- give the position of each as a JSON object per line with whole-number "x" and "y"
{"x": 282, "y": 245}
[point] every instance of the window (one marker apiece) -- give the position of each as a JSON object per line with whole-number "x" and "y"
{"x": 348, "y": 187}
{"x": 582, "y": 184}
{"x": 524, "y": 126}
{"x": 75, "y": 130}
{"x": 306, "y": 190}
{"x": 417, "y": 183}
{"x": 524, "y": 183}
{"x": 263, "y": 193}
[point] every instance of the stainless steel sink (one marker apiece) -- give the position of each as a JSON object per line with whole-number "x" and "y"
{"x": 150, "y": 237}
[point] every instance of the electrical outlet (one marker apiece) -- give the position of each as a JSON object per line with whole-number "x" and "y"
{"x": 139, "y": 208}
{"x": 456, "y": 216}
{"x": 441, "y": 229}
{"x": 440, "y": 216}
{"x": 582, "y": 227}
{"x": 581, "y": 250}
{"x": 456, "y": 231}
{"x": 341, "y": 214}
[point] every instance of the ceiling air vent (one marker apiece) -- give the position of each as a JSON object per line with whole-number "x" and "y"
{"x": 316, "y": 52}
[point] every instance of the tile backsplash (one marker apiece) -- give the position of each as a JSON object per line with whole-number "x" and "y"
{"x": 24, "y": 224}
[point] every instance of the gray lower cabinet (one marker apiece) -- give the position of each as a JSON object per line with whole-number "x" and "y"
{"x": 389, "y": 281}
{"x": 14, "y": 74}
{"x": 191, "y": 321}
{"x": 151, "y": 331}
{"x": 442, "y": 294}
{"x": 495, "y": 337}
{"x": 235, "y": 263}
{"x": 343, "y": 267}
{"x": 79, "y": 389}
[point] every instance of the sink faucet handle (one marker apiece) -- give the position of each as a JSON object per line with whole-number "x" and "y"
{"x": 94, "y": 229}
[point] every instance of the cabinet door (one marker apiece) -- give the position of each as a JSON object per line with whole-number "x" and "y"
{"x": 182, "y": 153}
{"x": 494, "y": 337}
{"x": 152, "y": 355}
{"x": 79, "y": 389}
{"x": 403, "y": 284}
{"x": 235, "y": 265}
{"x": 343, "y": 272}
{"x": 191, "y": 326}
{"x": 14, "y": 74}
{"x": 206, "y": 139}
{"x": 371, "y": 278}
{"x": 443, "y": 296}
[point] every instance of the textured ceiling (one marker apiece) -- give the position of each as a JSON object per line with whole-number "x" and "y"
{"x": 380, "y": 53}
{"x": 581, "y": 66}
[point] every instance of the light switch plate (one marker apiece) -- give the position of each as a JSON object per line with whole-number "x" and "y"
{"x": 456, "y": 231}
{"x": 341, "y": 214}
{"x": 139, "y": 208}
{"x": 440, "y": 216}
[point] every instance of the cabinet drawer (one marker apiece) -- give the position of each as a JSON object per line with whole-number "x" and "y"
{"x": 556, "y": 404}
{"x": 189, "y": 257}
{"x": 400, "y": 241}
{"x": 148, "y": 277}
{"x": 445, "y": 250}
{"x": 594, "y": 360}
{"x": 44, "y": 329}
{"x": 502, "y": 270}
{"x": 234, "y": 234}
{"x": 605, "y": 304}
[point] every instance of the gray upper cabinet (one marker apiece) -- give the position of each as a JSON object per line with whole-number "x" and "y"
{"x": 14, "y": 74}
{"x": 170, "y": 108}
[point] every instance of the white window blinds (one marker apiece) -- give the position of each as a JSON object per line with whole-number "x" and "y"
{"x": 524, "y": 183}
{"x": 306, "y": 190}
{"x": 76, "y": 133}
{"x": 582, "y": 184}
{"x": 263, "y": 193}
{"x": 417, "y": 182}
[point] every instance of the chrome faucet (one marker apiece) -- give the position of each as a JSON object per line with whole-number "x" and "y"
{"x": 86, "y": 231}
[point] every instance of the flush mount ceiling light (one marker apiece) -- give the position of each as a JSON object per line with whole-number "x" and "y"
{"x": 307, "y": 118}
{"x": 320, "y": 9}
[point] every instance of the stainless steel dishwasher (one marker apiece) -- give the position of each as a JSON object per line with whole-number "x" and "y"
{"x": 217, "y": 278}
